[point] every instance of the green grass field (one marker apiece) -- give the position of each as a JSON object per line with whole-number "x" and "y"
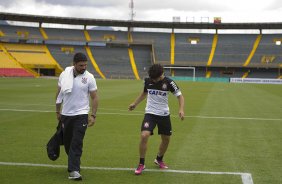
{"x": 234, "y": 128}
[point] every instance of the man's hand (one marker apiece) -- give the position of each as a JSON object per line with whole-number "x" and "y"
{"x": 181, "y": 115}
{"x": 131, "y": 107}
{"x": 91, "y": 120}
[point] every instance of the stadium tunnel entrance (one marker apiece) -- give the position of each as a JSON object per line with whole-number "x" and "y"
{"x": 45, "y": 71}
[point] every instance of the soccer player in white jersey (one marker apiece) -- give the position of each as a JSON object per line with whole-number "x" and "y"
{"x": 156, "y": 89}
{"x": 75, "y": 109}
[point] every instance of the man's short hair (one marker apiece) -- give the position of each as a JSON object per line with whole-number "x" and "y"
{"x": 155, "y": 71}
{"x": 79, "y": 57}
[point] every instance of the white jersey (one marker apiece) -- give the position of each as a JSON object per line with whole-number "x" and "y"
{"x": 157, "y": 99}
{"x": 77, "y": 101}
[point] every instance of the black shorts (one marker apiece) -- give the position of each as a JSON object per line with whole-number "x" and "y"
{"x": 163, "y": 122}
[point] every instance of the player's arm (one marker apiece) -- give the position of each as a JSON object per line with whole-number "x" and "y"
{"x": 59, "y": 98}
{"x": 139, "y": 99}
{"x": 176, "y": 91}
{"x": 94, "y": 101}
{"x": 181, "y": 106}
{"x": 58, "y": 105}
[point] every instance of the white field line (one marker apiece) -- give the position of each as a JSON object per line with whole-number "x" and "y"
{"x": 139, "y": 114}
{"x": 46, "y": 105}
{"x": 246, "y": 177}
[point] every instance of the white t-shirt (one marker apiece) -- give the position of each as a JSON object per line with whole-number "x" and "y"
{"x": 77, "y": 101}
{"x": 157, "y": 99}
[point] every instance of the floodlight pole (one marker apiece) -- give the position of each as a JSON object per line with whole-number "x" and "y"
{"x": 131, "y": 7}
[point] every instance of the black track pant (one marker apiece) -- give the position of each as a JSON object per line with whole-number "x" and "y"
{"x": 74, "y": 128}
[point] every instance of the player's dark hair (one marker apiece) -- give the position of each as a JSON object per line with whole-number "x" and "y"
{"x": 79, "y": 57}
{"x": 155, "y": 71}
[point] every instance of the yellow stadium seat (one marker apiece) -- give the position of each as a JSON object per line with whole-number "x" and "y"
{"x": 67, "y": 50}
{"x": 109, "y": 37}
{"x": 23, "y": 34}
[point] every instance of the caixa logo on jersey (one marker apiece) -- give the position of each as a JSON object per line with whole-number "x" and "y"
{"x": 84, "y": 80}
{"x": 156, "y": 92}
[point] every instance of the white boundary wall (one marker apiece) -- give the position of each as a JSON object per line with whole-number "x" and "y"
{"x": 256, "y": 80}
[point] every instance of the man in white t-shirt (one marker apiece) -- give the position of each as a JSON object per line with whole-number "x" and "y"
{"x": 156, "y": 89}
{"x": 75, "y": 86}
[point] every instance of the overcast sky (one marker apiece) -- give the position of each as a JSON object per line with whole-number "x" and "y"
{"x": 152, "y": 10}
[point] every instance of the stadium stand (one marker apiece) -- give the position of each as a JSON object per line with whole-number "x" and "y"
{"x": 74, "y": 36}
{"x": 268, "y": 54}
{"x": 35, "y": 57}
{"x": 10, "y": 68}
{"x": 1, "y": 34}
{"x": 160, "y": 42}
{"x": 132, "y": 63}
{"x": 142, "y": 55}
{"x": 108, "y": 36}
{"x": 64, "y": 55}
{"x": 233, "y": 49}
{"x": 263, "y": 73}
{"x": 192, "y": 49}
{"x": 94, "y": 63}
{"x": 115, "y": 53}
{"x": 21, "y": 34}
{"x": 113, "y": 62}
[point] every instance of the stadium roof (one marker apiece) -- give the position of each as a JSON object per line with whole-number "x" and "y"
{"x": 127, "y": 23}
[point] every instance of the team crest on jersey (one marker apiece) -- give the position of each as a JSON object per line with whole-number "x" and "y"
{"x": 84, "y": 80}
{"x": 164, "y": 87}
{"x": 146, "y": 125}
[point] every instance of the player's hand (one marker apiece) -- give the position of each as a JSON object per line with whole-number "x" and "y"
{"x": 181, "y": 115}
{"x": 131, "y": 107}
{"x": 91, "y": 121}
